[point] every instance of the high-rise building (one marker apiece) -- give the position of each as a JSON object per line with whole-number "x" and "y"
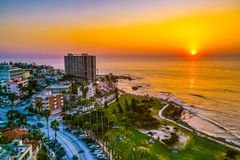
{"x": 82, "y": 66}
{"x": 7, "y": 72}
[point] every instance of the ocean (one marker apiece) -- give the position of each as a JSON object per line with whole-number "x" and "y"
{"x": 212, "y": 86}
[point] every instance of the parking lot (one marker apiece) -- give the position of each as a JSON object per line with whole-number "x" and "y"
{"x": 95, "y": 149}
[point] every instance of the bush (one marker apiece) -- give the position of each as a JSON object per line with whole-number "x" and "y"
{"x": 173, "y": 112}
{"x": 231, "y": 154}
{"x": 171, "y": 141}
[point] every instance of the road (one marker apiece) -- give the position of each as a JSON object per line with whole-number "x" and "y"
{"x": 71, "y": 144}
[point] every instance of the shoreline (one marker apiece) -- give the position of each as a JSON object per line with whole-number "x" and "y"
{"x": 190, "y": 128}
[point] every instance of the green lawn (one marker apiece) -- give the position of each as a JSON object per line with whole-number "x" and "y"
{"x": 197, "y": 148}
{"x": 129, "y": 97}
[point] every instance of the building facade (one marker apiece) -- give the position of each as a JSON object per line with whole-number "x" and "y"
{"x": 82, "y": 66}
{"x": 48, "y": 100}
{"x": 60, "y": 87}
{"x": 7, "y": 72}
{"x": 91, "y": 91}
{"x": 16, "y": 150}
{"x": 13, "y": 86}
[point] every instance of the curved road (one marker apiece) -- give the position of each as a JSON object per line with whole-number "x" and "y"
{"x": 71, "y": 143}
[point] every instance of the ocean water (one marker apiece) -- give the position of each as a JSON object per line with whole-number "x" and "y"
{"x": 212, "y": 86}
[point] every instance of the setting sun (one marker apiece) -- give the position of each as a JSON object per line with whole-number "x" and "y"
{"x": 193, "y": 52}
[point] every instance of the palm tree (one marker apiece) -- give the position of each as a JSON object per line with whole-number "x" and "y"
{"x": 107, "y": 114}
{"x": 70, "y": 107}
{"x": 144, "y": 154}
{"x": 38, "y": 106}
{"x": 12, "y": 97}
{"x": 54, "y": 126}
{"x": 87, "y": 126}
{"x": 101, "y": 110}
{"x": 117, "y": 95}
{"x": 22, "y": 88}
{"x": 96, "y": 106}
{"x": 77, "y": 119}
{"x": 46, "y": 114}
{"x": 90, "y": 118}
{"x": 111, "y": 145}
{"x": 131, "y": 146}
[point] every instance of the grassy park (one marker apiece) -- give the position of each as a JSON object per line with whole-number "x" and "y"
{"x": 136, "y": 143}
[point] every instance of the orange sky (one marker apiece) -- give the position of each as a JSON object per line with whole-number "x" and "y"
{"x": 144, "y": 28}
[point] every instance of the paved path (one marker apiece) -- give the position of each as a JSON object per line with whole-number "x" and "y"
{"x": 198, "y": 133}
{"x": 71, "y": 144}
{"x": 162, "y": 117}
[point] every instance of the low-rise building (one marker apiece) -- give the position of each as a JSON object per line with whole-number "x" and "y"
{"x": 14, "y": 86}
{"x": 3, "y": 86}
{"x": 16, "y": 151}
{"x": 59, "y": 87}
{"x": 8, "y": 72}
{"x": 91, "y": 91}
{"x": 48, "y": 100}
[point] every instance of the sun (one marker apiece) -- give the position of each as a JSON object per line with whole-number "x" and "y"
{"x": 193, "y": 52}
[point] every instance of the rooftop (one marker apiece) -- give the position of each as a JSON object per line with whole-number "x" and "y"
{"x": 61, "y": 85}
{"x": 13, "y": 150}
{"x": 83, "y": 54}
{"x": 46, "y": 94}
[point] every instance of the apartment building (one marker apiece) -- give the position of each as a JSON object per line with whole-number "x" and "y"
{"x": 91, "y": 91}
{"x": 7, "y": 72}
{"x": 81, "y": 66}
{"x": 14, "y": 86}
{"x": 48, "y": 100}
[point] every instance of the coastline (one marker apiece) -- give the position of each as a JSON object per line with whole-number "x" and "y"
{"x": 233, "y": 142}
{"x": 188, "y": 127}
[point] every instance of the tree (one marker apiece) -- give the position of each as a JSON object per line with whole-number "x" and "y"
{"x": 131, "y": 146}
{"x": 12, "y": 97}
{"x": 77, "y": 120}
{"x": 38, "y": 106}
{"x": 96, "y": 106}
{"x": 120, "y": 110}
{"x": 42, "y": 154}
{"x": 70, "y": 107}
{"x": 101, "y": 110}
{"x": 22, "y": 88}
{"x": 128, "y": 108}
{"x": 54, "y": 126}
{"x": 117, "y": 95}
{"x": 144, "y": 154}
{"x": 231, "y": 154}
{"x": 86, "y": 125}
{"x": 46, "y": 114}
{"x": 16, "y": 119}
{"x": 37, "y": 135}
{"x": 105, "y": 105}
{"x": 107, "y": 114}
{"x": 134, "y": 105}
